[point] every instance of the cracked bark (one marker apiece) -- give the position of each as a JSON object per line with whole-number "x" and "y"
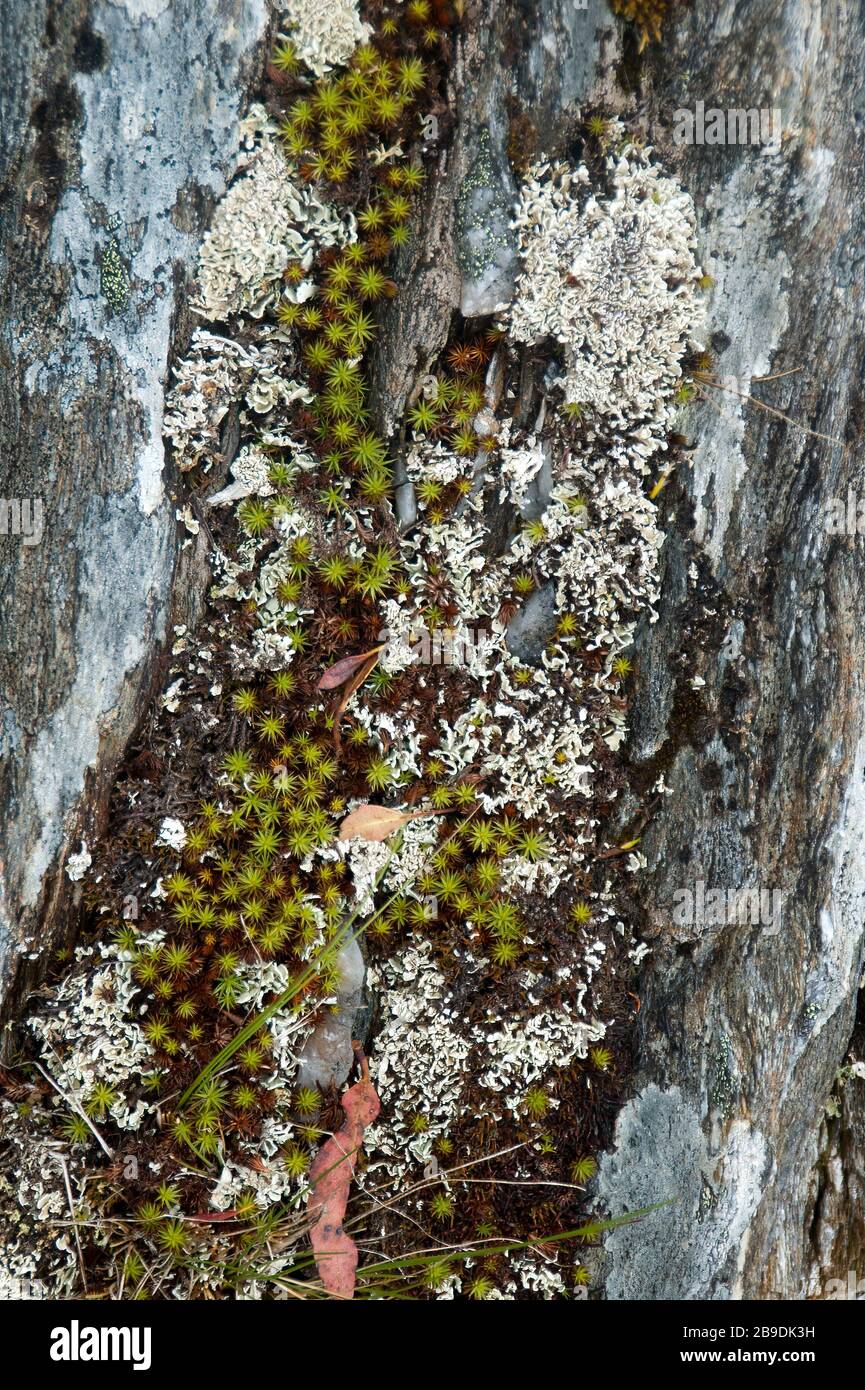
{"x": 743, "y": 1028}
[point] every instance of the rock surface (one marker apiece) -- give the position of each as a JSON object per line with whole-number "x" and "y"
{"x": 328, "y": 1055}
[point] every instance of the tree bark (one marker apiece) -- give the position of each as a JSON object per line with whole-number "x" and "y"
{"x": 118, "y": 134}
{"x": 750, "y": 692}
{"x": 743, "y": 1027}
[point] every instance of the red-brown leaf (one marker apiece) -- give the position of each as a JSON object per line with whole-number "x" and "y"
{"x": 340, "y": 671}
{"x": 330, "y": 1175}
{"x": 352, "y": 684}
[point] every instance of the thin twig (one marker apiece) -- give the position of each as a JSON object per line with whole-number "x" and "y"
{"x": 704, "y": 380}
{"x": 68, "y": 1187}
{"x": 73, "y": 1105}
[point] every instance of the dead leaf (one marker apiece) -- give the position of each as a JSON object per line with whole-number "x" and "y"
{"x": 354, "y": 684}
{"x": 342, "y": 669}
{"x": 330, "y": 1175}
{"x": 369, "y": 822}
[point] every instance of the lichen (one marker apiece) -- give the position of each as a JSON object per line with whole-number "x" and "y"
{"x": 266, "y": 219}
{"x": 613, "y": 278}
{"x": 114, "y": 279}
{"x": 723, "y": 1083}
{"x": 324, "y": 36}
{"x": 215, "y": 373}
{"x": 90, "y": 1033}
{"x": 484, "y": 239}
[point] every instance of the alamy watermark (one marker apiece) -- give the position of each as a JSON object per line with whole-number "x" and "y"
{"x": 845, "y": 516}
{"x": 721, "y": 907}
{"x": 25, "y": 1288}
{"x": 440, "y": 646}
{"x": 77, "y": 1343}
{"x": 729, "y": 381}
{"x": 736, "y": 126}
{"x": 22, "y": 516}
{"x": 852, "y": 1287}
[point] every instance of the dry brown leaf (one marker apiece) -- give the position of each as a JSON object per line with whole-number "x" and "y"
{"x": 370, "y": 822}
{"x": 330, "y": 1176}
{"x": 345, "y": 667}
{"x": 355, "y": 682}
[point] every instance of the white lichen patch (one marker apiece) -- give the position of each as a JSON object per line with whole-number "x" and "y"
{"x": 216, "y": 374}
{"x": 269, "y": 1187}
{"x": 519, "y": 468}
{"x": 172, "y": 834}
{"x": 324, "y": 35}
{"x": 267, "y": 219}
{"x": 37, "y": 1242}
{"x": 435, "y": 462}
{"x": 88, "y": 1032}
{"x": 611, "y": 276}
{"x": 251, "y": 474}
{"x": 420, "y": 1066}
{"x": 78, "y": 864}
{"x": 535, "y": 1275}
{"x": 432, "y": 1066}
{"x": 517, "y": 1052}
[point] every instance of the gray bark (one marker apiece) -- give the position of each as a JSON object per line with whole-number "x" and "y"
{"x": 119, "y": 129}
{"x": 743, "y": 1027}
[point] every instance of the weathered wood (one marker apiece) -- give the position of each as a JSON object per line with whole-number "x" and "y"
{"x": 743, "y": 1027}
